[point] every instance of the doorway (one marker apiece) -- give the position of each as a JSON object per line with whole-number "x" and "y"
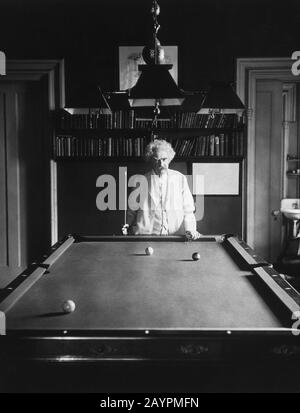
{"x": 27, "y": 94}
{"x": 267, "y": 87}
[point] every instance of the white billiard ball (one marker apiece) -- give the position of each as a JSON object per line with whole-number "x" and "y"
{"x": 196, "y": 256}
{"x": 68, "y": 306}
{"x": 149, "y": 251}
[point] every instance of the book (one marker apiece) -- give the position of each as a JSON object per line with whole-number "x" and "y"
{"x": 222, "y": 144}
{"x": 211, "y": 145}
{"x": 217, "y": 146}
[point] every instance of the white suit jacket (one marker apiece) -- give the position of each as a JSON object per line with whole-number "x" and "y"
{"x": 178, "y": 205}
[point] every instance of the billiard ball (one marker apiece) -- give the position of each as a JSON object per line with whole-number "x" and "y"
{"x": 149, "y": 251}
{"x": 196, "y": 256}
{"x": 68, "y": 306}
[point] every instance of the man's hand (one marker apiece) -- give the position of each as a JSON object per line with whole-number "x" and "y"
{"x": 192, "y": 235}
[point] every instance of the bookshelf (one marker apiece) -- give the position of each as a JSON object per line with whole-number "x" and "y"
{"x": 130, "y": 119}
{"x": 87, "y": 146}
{"x": 125, "y": 134}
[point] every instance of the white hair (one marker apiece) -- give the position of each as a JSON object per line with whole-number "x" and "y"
{"x": 159, "y": 144}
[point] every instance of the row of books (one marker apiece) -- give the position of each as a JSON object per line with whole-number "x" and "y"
{"x": 211, "y": 145}
{"x": 95, "y": 120}
{"x": 202, "y": 121}
{"x": 133, "y": 120}
{"x": 70, "y": 146}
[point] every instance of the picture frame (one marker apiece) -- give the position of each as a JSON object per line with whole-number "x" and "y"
{"x": 131, "y": 56}
{"x": 222, "y": 178}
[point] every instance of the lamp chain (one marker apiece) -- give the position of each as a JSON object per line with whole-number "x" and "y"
{"x": 155, "y": 10}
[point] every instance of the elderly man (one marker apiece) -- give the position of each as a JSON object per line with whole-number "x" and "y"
{"x": 168, "y": 208}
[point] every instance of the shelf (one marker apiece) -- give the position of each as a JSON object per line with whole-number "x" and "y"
{"x": 94, "y": 132}
{"x": 99, "y": 158}
{"x": 204, "y": 131}
{"x": 137, "y": 119}
{"x": 141, "y": 159}
{"x": 134, "y": 131}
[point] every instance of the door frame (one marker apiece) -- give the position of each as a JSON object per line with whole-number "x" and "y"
{"x": 248, "y": 72}
{"x": 34, "y": 70}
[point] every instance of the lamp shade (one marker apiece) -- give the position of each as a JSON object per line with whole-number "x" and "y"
{"x": 155, "y": 85}
{"x": 222, "y": 98}
{"x": 193, "y": 101}
{"x": 117, "y": 100}
{"x": 104, "y": 107}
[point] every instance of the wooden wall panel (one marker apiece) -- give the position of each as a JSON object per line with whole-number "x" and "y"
{"x": 24, "y": 177}
{"x": 3, "y": 187}
{"x": 268, "y": 171}
{"x": 77, "y": 212}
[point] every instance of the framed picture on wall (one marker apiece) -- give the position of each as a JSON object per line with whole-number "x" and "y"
{"x": 216, "y": 178}
{"x": 131, "y": 56}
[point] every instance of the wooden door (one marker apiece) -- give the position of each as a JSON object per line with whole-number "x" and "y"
{"x": 268, "y": 168}
{"x": 24, "y": 204}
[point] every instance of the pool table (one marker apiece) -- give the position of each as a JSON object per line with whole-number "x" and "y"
{"x": 229, "y": 305}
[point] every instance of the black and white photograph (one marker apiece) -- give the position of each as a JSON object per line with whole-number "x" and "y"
{"x": 149, "y": 199}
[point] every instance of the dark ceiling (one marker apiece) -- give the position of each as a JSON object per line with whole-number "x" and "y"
{"x": 210, "y": 34}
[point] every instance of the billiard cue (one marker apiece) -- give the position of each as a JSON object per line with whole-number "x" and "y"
{"x": 125, "y": 196}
